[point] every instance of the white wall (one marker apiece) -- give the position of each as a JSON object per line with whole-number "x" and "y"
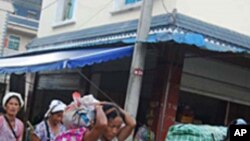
{"x": 216, "y": 79}
{"x": 6, "y": 6}
{"x": 86, "y": 16}
{"x": 230, "y": 14}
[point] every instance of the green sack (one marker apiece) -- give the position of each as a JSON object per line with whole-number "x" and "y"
{"x": 191, "y": 132}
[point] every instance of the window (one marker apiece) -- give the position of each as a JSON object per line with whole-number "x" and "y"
{"x": 14, "y": 42}
{"x": 68, "y": 10}
{"x": 32, "y": 14}
{"x": 125, "y": 5}
{"x": 65, "y": 10}
{"x": 131, "y": 1}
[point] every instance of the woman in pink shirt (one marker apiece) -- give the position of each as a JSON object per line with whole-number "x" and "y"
{"x": 11, "y": 128}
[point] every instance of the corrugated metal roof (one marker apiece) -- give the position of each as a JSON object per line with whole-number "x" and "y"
{"x": 105, "y": 30}
{"x": 216, "y": 32}
{"x": 212, "y": 33}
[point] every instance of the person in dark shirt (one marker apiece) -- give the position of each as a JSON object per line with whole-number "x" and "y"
{"x": 238, "y": 121}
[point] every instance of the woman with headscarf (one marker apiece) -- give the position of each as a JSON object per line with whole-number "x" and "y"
{"x": 119, "y": 123}
{"x": 52, "y": 125}
{"x": 145, "y": 132}
{"x": 11, "y": 128}
{"x": 111, "y": 123}
{"x": 238, "y": 121}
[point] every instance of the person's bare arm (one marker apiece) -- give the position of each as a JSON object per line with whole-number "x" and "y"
{"x": 101, "y": 122}
{"x": 130, "y": 122}
{"x": 34, "y": 137}
{"x": 128, "y": 128}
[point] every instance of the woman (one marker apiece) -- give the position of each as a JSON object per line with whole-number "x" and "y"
{"x": 238, "y": 121}
{"x": 111, "y": 124}
{"x": 51, "y": 126}
{"x": 11, "y": 128}
{"x": 145, "y": 132}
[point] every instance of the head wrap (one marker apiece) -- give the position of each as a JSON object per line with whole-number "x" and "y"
{"x": 240, "y": 121}
{"x": 10, "y": 95}
{"x": 55, "y": 106}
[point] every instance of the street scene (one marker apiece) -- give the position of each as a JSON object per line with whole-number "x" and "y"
{"x": 124, "y": 70}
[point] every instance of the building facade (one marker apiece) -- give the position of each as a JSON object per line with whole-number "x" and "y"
{"x": 192, "y": 78}
{"x": 197, "y": 57}
{"x": 232, "y": 15}
{"x": 19, "y": 25}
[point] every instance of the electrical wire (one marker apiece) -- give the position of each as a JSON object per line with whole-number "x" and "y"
{"x": 96, "y": 13}
{"x": 47, "y": 6}
{"x": 94, "y": 85}
{"x": 164, "y": 6}
{"x": 52, "y": 3}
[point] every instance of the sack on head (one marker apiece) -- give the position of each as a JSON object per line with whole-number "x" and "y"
{"x": 80, "y": 112}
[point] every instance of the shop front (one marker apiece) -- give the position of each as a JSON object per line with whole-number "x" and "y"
{"x": 189, "y": 64}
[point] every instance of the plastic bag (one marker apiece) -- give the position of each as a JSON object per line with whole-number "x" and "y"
{"x": 80, "y": 112}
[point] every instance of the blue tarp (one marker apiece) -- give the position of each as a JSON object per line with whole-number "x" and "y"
{"x": 195, "y": 39}
{"x": 62, "y": 59}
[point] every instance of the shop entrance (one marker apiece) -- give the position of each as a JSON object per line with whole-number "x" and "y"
{"x": 198, "y": 109}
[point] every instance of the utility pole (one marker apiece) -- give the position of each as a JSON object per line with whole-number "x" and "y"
{"x": 137, "y": 66}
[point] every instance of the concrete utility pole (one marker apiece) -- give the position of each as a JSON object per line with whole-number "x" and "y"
{"x": 137, "y": 67}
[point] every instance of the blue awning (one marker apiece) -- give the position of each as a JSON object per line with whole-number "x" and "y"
{"x": 190, "y": 38}
{"x": 62, "y": 59}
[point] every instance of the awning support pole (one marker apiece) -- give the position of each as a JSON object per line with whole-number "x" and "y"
{"x": 30, "y": 85}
